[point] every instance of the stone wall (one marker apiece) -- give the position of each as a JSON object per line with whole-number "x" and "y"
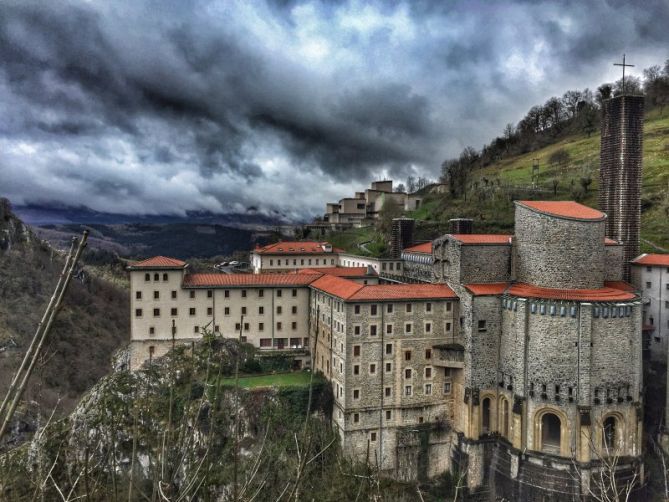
{"x": 555, "y": 252}
{"x": 614, "y": 267}
{"x": 455, "y": 263}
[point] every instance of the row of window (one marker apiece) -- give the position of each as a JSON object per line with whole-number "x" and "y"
{"x": 247, "y": 327}
{"x": 408, "y": 372}
{"x": 408, "y": 328}
{"x": 156, "y": 277}
{"x": 357, "y": 349}
{"x": 287, "y": 262}
{"x": 210, "y": 294}
{"x": 192, "y": 311}
{"x": 649, "y": 285}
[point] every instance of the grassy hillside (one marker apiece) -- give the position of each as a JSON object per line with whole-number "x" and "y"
{"x": 492, "y": 189}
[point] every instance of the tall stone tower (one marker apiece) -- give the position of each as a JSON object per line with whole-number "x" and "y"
{"x": 401, "y": 235}
{"x": 621, "y": 158}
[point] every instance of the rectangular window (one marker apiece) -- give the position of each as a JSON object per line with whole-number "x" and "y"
{"x": 356, "y": 350}
{"x": 389, "y": 414}
{"x": 278, "y": 293}
{"x": 356, "y": 309}
{"x": 243, "y": 310}
{"x": 246, "y": 326}
{"x": 174, "y": 295}
{"x": 356, "y": 369}
{"x": 648, "y": 285}
{"x": 481, "y": 326}
{"x": 164, "y": 276}
{"x": 173, "y": 312}
{"x": 388, "y": 391}
{"x": 407, "y": 355}
{"x": 243, "y": 293}
{"x": 389, "y": 348}
{"x": 356, "y": 330}
{"x": 261, "y": 293}
{"x": 279, "y": 309}
{"x": 372, "y": 330}
{"x": 407, "y": 373}
{"x": 261, "y": 326}
{"x": 447, "y": 387}
{"x": 372, "y": 369}
{"x": 261, "y": 310}
{"x": 265, "y": 342}
{"x": 293, "y": 325}
{"x": 449, "y": 306}
{"x": 196, "y": 329}
{"x": 210, "y": 311}
{"x": 428, "y": 307}
{"x": 428, "y": 372}
{"x": 356, "y": 393}
{"x": 226, "y": 311}
{"x": 448, "y": 326}
{"x": 138, "y": 295}
{"x": 356, "y": 418}
{"x": 217, "y": 328}
{"x": 407, "y": 328}
{"x": 389, "y": 308}
{"x": 428, "y": 353}
{"x": 373, "y": 309}
{"x": 407, "y": 390}
{"x": 372, "y": 436}
{"x": 294, "y": 309}
{"x": 294, "y": 292}
{"x": 191, "y": 311}
{"x": 210, "y": 293}
{"x": 138, "y": 312}
{"x": 238, "y": 326}
{"x": 389, "y": 329}
{"x": 428, "y": 389}
{"x": 428, "y": 327}
{"x": 389, "y": 367}
{"x": 409, "y": 306}
{"x": 147, "y": 277}
{"x": 156, "y": 295}
{"x": 226, "y": 293}
{"x": 156, "y": 312}
{"x": 278, "y": 326}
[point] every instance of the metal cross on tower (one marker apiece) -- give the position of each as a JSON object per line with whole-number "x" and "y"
{"x": 623, "y": 65}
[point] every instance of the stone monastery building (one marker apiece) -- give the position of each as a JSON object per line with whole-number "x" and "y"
{"x": 517, "y": 360}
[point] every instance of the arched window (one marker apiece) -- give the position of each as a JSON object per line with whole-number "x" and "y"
{"x": 550, "y": 434}
{"x": 485, "y": 416}
{"x": 504, "y": 418}
{"x": 609, "y": 434}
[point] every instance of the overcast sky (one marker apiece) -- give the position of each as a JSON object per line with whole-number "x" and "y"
{"x": 158, "y": 107}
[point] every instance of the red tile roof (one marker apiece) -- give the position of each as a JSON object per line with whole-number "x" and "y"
{"x": 485, "y": 239}
{"x": 425, "y": 248}
{"x": 652, "y": 259}
{"x": 622, "y": 285}
{"x": 248, "y": 280}
{"x": 336, "y": 286}
{"x": 404, "y": 292}
{"x": 496, "y": 288}
{"x": 340, "y": 271}
{"x": 605, "y": 294}
{"x": 563, "y": 209}
{"x": 352, "y": 291}
{"x": 158, "y": 262}
{"x": 296, "y": 247}
{"x": 611, "y": 242}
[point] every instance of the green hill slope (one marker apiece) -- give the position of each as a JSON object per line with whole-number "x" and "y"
{"x": 489, "y": 199}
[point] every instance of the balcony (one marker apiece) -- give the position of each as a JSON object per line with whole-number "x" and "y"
{"x": 449, "y": 355}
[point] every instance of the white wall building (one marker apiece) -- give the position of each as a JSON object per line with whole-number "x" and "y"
{"x": 650, "y": 274}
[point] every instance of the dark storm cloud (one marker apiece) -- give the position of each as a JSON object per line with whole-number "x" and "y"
{"x": 172, "y": 106}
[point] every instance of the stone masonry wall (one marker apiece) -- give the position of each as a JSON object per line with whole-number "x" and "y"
{"x": 558, "y": 253}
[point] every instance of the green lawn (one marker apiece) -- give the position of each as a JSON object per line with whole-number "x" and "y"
{"x": 296, "y": 378}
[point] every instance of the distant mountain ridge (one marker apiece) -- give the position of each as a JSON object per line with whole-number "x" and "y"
{"x": 43, "y": 214}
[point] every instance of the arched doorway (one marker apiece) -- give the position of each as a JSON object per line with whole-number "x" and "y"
{"x": 504, "y": 418}
{"x": 550, "y": 433}
{"x": 485, "y": 416}
{"x": 609, "y": 434}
